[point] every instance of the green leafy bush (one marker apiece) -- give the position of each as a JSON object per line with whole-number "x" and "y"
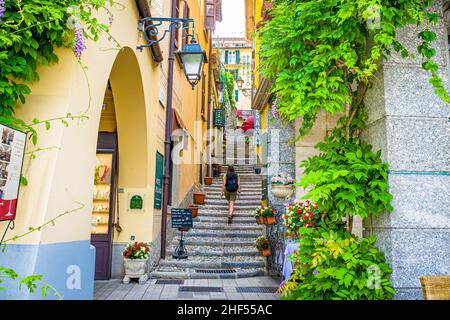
{"x": 336, "y": 265}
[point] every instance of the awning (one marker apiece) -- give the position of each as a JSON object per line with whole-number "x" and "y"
{"x": 177, "y": 122}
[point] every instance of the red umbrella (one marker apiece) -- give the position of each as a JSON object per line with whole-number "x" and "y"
{"x": 248, "y": 124}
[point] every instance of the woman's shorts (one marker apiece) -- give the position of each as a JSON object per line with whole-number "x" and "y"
{"x": 230, "y": 196}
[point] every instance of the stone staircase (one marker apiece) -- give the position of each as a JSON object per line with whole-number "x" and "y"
{"x": 216, "y": 249}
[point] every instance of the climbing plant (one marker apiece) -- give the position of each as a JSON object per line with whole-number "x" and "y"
{"x": 31, "y": 30}
{"x": 228, "y": 87}
{"x": 324, "y": 55}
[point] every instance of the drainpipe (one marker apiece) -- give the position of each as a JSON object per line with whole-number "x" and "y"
{"x": 168, "y": 154}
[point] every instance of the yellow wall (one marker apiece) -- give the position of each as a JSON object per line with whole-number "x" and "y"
{"x": 61, "y": 179}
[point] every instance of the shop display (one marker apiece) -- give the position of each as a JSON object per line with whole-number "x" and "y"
{"x": 101, "y": 195}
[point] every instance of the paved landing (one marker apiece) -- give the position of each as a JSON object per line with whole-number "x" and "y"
{"x": 255, "y": 288}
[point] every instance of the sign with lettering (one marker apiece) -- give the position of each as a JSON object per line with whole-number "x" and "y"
{"x": 136, "y": 202}
{"x": 219, "y": 117}
{"x": 257, "y": 129}
{"x": 181, "y": 218}
{"x": 12, "y": 150}
{"x": 159, "y": 180}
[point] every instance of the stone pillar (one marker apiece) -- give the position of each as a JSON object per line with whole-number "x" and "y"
{"x": 281, "y": 158}
{"x": 410, "y": 124}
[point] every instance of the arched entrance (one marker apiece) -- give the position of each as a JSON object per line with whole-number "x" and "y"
{"x": 122, "y": 157}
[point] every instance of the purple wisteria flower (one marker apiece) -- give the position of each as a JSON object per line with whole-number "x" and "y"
{"x": 2, "y": 9}
{"x": 315, "y": 272}
{"x": 110, "y": 20}
{"x": 275, "y": 109}
{"x": 79, "y": 40}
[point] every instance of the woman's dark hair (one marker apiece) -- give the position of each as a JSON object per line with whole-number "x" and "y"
{"x": 230, "y": 169}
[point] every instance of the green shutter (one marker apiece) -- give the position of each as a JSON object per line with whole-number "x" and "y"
{"x": 236, "y": 74}
{"x": 226, "y": 56}
{"x": 238, "y": 56}
{"x": 236, "y": 95}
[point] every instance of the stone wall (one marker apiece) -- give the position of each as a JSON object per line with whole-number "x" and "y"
{"x": 409, "y": 123}
{"x": 281, "y": 158}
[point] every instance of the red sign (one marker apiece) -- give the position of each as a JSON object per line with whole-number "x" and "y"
{"x": 12, "y": 149}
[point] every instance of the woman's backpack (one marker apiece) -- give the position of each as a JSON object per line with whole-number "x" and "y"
{"x": 232, "y": 184}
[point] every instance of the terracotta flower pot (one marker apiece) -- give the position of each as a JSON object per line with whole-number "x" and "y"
{"x": 265, "y": 252}
{"x": 260, "y": 220}
{"x": 199, "y": 197}
{"x": 194, "y": 210}
{"x": 208, "y": 180}
{"x": 270, "y": 220}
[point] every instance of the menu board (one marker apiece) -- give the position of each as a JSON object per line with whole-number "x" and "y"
{"x": 12, "y": 150}
{"x": 181, "y": 218}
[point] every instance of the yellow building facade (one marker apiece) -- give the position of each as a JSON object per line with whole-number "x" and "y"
{"x": 118, "y": 97}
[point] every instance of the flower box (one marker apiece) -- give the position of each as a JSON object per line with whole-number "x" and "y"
{"x": 194, "y": 210}
{"x": 270, "y": 220}
{"x": 135, "y": 268}
{"x": 282, "y": 190}
{"x": 208, "y": 181}
{"x": 260, "y": 220}
{"x": 199, "y": 197}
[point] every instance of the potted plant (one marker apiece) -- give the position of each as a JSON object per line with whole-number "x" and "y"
{"x": 269, "y": 215}
{"x": 208, "y": 181}
{"x": 282, "y": 185}
{"x": 301, "y": 214}
{"x": 258, "y": 214}
{"x": 194, "y": 210}
{"x": 136, "y": 261}
{"x": 199, "y": 197}
{"x": 263, "y": 246}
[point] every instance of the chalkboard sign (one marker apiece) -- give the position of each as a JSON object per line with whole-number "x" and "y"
{"x": 181, "y": 218}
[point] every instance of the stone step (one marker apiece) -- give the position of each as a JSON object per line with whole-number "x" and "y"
{"x": 251, "y": 234}
{"x": 243, "y": 262}
{"x": 251, "y": 196}
{"x": 224, "y": 213}
{"x": 223, "y": 202}
{"x": 212, "y": 226}
{"x": 217, "y": 251}
{"x": 215, "y": 219}
{"x": 215, "y": 242}
{"x": 238, "y": 206}
{"x": 191, "y": 274}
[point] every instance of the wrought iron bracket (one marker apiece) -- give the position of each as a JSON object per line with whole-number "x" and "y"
{"x": 151, "y": 28}
{"x": 10, "y": 226}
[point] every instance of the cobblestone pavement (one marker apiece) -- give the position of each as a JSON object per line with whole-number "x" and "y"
{"x": 212, "y": 289}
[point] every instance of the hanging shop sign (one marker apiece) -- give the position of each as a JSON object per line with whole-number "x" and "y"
{"x": 12, "y": 150}
{"x": 159, "y": 177}
{"x": 257, "y": 129}
{"x": 219, "y": 118}
{"x": 265, "y": 193}
{"x": 181, "y": 218}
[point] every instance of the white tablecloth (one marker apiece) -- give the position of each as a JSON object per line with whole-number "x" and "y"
{"x": 291, "y": 247}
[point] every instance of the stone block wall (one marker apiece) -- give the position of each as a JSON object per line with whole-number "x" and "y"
{"x": 410, "y": 124}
